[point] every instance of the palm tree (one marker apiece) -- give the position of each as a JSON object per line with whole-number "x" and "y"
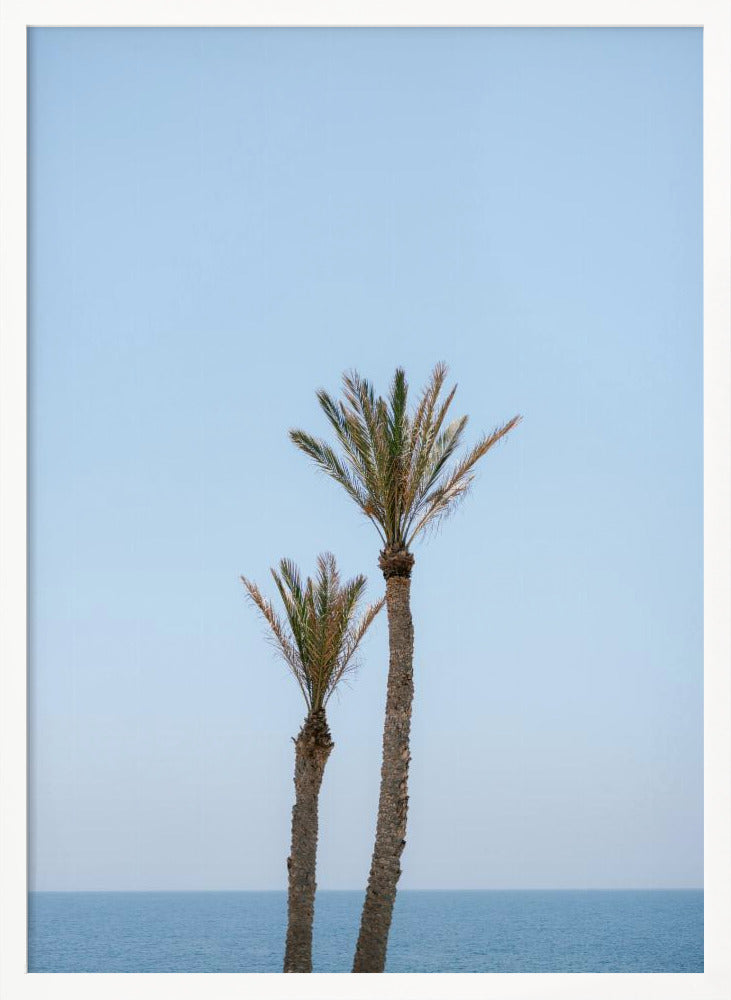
{"x": 317, "y": 643}
{"x": 401, "y": 470}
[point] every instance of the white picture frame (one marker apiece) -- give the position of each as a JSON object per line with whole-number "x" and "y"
{"x": 714, "y": 16}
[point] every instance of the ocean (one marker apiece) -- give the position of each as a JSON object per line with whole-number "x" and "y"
{"x": 494, "y": 931}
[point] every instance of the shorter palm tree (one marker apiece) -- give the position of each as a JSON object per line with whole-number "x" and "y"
{"x": 318, "y": 644}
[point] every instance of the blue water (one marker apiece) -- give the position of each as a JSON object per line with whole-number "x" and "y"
{"x": 511, "y": 931}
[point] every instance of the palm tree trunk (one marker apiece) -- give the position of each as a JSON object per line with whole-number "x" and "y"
{"x": 312, "y": 749}
{"x": 370, "y": 953}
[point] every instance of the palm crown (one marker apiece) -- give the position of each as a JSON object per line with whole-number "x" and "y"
{"x": 321, "y": 633}
{"x": 397, "y": 466}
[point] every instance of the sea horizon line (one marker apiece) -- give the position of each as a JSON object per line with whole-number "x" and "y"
{"x": 628, "y": 888}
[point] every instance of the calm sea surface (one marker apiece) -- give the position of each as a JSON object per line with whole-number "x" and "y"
{"x": 525, "y": 931}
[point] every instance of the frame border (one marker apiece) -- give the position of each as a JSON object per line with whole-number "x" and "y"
{"x": 714, "y": 17}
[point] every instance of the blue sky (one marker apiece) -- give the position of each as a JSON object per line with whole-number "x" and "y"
{"x": 223, "y": 220}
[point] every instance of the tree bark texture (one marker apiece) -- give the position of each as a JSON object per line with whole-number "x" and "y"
{"x": 370, "y": 954}
{"x": 312, "y": 749}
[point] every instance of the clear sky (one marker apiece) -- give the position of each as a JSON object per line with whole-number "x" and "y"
{"x": 222, "y": 221}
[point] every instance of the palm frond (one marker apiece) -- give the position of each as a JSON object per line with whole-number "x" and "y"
{"x": 364, "y": 405}
{"x": 431, "y": 449}
{"x": 445, "y": 496}
{"x": 341, "y": 470}
{"x": 353, "y": 437}
{"x": 283, "y": 644}
{"x": 322, "y": 630}
{"x": 397, "y": 421}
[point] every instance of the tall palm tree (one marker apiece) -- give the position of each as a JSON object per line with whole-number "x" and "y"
{"x": 317, "y": 643}
{"x": 401, "y": 469}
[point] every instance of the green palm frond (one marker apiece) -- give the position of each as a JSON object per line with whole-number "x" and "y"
{"x": 321, "y": 630}
{"x": 401, "y": 469}
{"x": 343, "y": 471}
{"x": 353, "y": 437}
